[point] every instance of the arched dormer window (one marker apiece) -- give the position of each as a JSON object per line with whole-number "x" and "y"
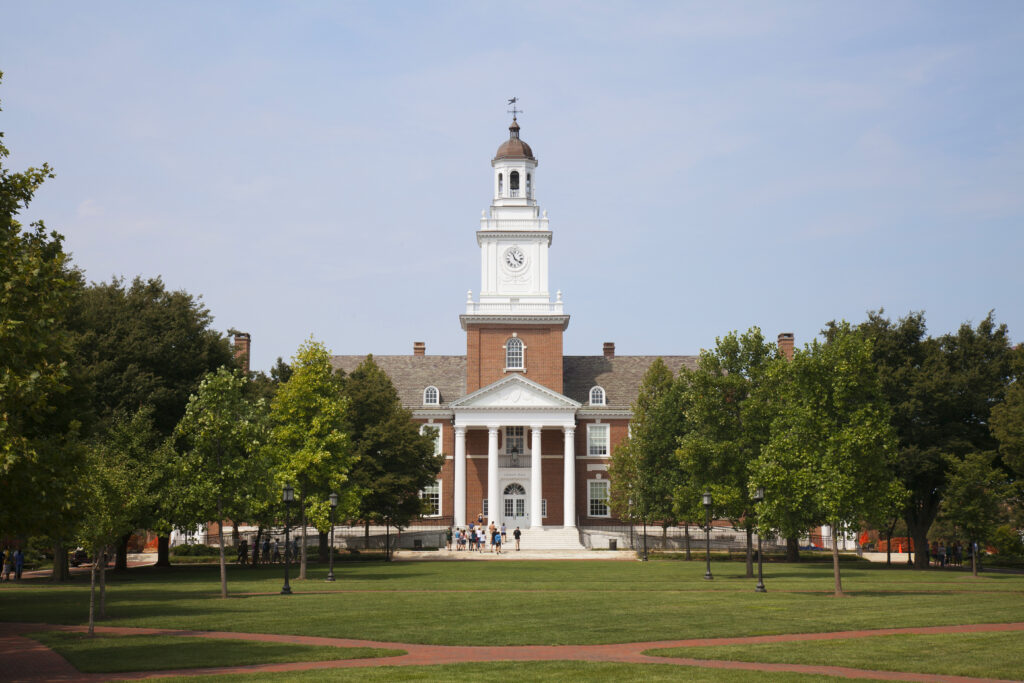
{"x": 501, "y": 184}
{"x": 597, "y": 396}
{"x": 431, "y": 396}
{"x": 513, "y": 184}
{"x": 514, "y": 354}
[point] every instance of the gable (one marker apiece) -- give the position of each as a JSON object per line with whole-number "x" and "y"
{"x": 515, "y": 392}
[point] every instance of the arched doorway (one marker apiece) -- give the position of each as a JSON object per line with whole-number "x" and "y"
{"x": 515, "y": 507}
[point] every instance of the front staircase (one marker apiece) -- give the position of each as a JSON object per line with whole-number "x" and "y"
{"x": 548, "y": 538}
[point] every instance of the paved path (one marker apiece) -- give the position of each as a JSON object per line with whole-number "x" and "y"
{"x": 25, "y": 660}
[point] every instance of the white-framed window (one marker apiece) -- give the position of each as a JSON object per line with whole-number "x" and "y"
{"x": 437, "y": 435}
{"x": 597, "y": 396}
{"x": 483, "y": 507}
{"x": 432, "y": 494}
{"x": 515, "y": 438}
{"x": 597, "y": 498}
{"x": 431, "y": 396}
{"x": 514, "y": 355}
{"x": 597, "y": 440}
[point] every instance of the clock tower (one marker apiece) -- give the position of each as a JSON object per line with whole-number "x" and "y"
{"x": 514, "y": 311}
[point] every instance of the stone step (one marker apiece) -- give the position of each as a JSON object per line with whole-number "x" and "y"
{"x": 554, "y": 538}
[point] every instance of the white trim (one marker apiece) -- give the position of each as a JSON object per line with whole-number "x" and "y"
{"x": 603, "y": 395}
{"x": 522, "y": 353}
{"x": 440, "y": 499}
{"x": 437, "y": 396}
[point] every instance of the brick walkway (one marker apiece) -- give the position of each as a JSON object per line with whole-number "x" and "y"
{"x": 26, "y": 660}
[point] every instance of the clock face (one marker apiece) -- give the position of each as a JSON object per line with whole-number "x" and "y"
{"x": 515, "y": 259}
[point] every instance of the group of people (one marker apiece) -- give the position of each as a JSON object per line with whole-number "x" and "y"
{"x": 270, "y": 552}
{"x": 477, "y": 537}
{"x": 948, "y": 555}
{"x": 12, "y": 562}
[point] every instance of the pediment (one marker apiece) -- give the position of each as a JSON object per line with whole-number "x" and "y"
{"x": 515, "y": 392}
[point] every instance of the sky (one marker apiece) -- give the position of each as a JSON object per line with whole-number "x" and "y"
{"x": 319, "y": 168}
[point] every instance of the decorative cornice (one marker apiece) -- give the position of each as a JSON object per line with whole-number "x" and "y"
{"x": 519, "y": 319}
{"x": 512, "y": 234}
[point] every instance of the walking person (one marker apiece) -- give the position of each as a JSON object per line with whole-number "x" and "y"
{"x": 516, "y": 535}
{"x": 496, "y": 543}
{"x": 8, "y": 565}
{"x": 448, "y": 538}
{"x": 504, "y": 534}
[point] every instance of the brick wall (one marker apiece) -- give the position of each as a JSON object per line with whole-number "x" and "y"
{"x": 485, "y": 354}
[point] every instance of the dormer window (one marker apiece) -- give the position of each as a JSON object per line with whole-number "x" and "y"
{"x": 513, "y": 184}
{"x": 597, "y": 396}
{"x": 431, "y": 396}
{"x": 514, "y": 354}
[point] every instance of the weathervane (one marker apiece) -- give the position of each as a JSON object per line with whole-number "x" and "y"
{"x": 514, "y": 110}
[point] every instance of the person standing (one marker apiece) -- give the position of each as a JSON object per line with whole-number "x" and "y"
{"x": 19, "y": 563}
{"x": 516, "y": 535}
{"x": 496, "y": 543}
{"x": 448, "y": 538}
{"x": 504, "y": 534}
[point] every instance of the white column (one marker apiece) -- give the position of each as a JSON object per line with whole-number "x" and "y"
{"x": 536, "y": 487}
{"x": 460, "y": 476}
{"x": 569, "y": 493}
{"x": 493, "y": 495}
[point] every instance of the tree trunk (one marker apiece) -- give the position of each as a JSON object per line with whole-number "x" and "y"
{"x": 387, "y": 541}
{"x": 121, "y": 561}
{"x": 103, "y": 585}
{"x": 686, "y": 528}
{"x": 974, "y": 559}
{"x": 750, "y": 552}
{"x": 163, "y": 551}
{"x": 61, "y": 571}
{"x": 835, "y": 561}
{"x": 302, "y": 550}
{"x": 321, "y": 547}
{"x": 366, "y": 534}
{"x": 256, "y": 547}
{"x": 92, "y": 600}
{"x": 223, "y": 560}
{"x": 792, "y": 549}
{"x": 919, "y": 534}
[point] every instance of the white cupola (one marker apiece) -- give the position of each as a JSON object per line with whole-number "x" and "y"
{"x": 514, "y": 239}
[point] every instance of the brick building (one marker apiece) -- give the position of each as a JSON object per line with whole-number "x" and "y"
{"x": 527, "y": 432}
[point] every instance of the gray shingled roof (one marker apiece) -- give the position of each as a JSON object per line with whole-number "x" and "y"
{"x": 413, "y": 374}
{"x": 619, "y": 376}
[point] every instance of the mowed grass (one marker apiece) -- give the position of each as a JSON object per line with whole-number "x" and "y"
{"x": 530, "y": 602}
{"x": 111, "y": 654}
{"x": 999, "y": 655}
{"x": 527, "y": 672}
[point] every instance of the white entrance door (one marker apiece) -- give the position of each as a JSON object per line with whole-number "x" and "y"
{"x": 516, "y": 511}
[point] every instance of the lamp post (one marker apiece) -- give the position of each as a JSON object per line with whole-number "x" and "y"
{"x": 759, "y": 498}
{"x": 707, "y": 534}
{"x": 288, "y": 497}
{"x": 334, "y": 503}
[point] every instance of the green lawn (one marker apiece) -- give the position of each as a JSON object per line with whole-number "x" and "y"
{"x": 999, "y": 655}
{"x": 528, "y": 672}
{"x": 110, "y": 654}
{"x": 518, "y": 602}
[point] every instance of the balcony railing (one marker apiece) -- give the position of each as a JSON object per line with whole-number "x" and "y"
{"x": 549, "y": 308}
{"x": 514, "y": 461}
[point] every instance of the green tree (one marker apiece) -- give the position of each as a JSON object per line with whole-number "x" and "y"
{"x": 38, "y": 429}
{"x": 139, "y": 344}
{"x": 394, "y": 461}
{"x": 832, "y": 445}
{"x": 308, "y": 436}
{"x": 643, "y": 469}
{"x": 975, "y": 493}
{"x": 1007, "y": 426}
{"x": 222, "y": 436}
{"x": 729, "y": 423}
{"x": 941, "y": 391}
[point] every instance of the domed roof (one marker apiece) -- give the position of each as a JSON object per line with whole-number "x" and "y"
{"x": 514, "y": 148}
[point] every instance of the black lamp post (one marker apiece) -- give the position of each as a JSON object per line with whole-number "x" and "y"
{"x": 759, "y": 498}
{"x": 334, "y": 503}
{"x": 513, "y": 459}
{"x": 707, "y": 534}
{"x": 288, "y": 497}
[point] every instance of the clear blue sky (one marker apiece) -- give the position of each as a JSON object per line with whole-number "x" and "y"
{"x": 320, "y": 168}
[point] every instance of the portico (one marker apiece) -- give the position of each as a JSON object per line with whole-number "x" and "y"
{"x": 515, "y": 412}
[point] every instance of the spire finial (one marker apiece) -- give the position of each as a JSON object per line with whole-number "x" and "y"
{"x": 514, "y": 110}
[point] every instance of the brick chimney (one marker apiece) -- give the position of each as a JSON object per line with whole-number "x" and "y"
{"x": 609, "y": 349}
{"x": 242, "y": 344}
{"x": 786, "y": 344}
{"x": 419, "y": 348}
